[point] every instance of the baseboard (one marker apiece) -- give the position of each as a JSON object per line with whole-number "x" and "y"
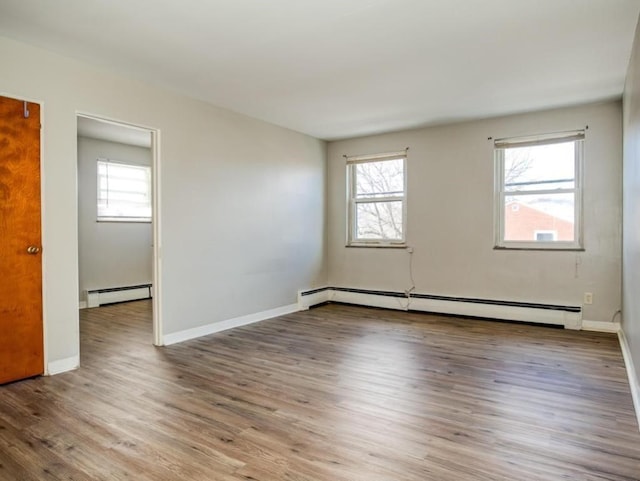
{"x": 370, "y": 299}
{"x": 600, "y": 326}
{"x": 568, "y": 316}
{"x": 634, "y": 382}
{"x": 63, "y": 365}
{"x": 100, "y": 297}
{"x": 214, "y": 327}
{"x": 313, "y": 297}
{"x": 525, "y": 313}
{"x": 82, "y": 305}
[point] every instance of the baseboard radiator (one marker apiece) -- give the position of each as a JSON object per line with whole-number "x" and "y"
{"x": 569, "y": 317}
{"x": 100, "y": 297}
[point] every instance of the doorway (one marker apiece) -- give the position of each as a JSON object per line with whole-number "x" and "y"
{"x": 117, "y": 215}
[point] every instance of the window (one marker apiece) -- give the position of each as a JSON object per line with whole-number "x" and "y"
{"x": 124, "y": 192}
{"x": 377, "y": 185}
{"x": 538, "y": 191}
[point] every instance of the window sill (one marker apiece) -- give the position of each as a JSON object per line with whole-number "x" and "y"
{"x": 124, "y": 221}
{"x": 534, "y": 248}
{"x": 378, "y": 246}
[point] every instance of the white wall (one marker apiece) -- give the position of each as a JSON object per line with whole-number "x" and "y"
{"x": 450, "y": 216}
{"x": 111, "y": 254}
{"x": 631, "y": 208}
{"x": 242, "y": 201}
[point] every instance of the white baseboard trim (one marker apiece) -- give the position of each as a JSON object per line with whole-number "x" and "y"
{"x": 570, "y": 320}
{"x": 313, "y": 297}
{"x": 634, "y": 382}
{"x": 82, "y": 305}
{"x": 369, "y": 300}
{"x": 214, "y": 327}
{"x": 99, "y": 297}
{"x": 62, "y": 365}
{"x": 569, "y": 317}
{"x": 600, "y": 326}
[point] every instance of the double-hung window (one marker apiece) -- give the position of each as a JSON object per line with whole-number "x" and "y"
{"x": 539, "y": 191}
{"x": 124, "y": 192}
{"x": 377, "y": 199}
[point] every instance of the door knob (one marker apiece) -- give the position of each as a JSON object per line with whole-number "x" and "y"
{"x": 33, "y": 250}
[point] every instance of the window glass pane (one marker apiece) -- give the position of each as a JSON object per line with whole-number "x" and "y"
{"x": 124, "y": 191}
{"x": 379, "y": 220}
{"x": 380, "y": 179}
{"x": 124, "y": 210}
{"x": 529, "y": 217}
{"x": 123, "y": 186}
{"x": 540, "y": 167}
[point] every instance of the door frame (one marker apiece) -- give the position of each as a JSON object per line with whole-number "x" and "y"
{"x": 156, "y": 281}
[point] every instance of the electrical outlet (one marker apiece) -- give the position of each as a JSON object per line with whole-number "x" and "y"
{"x": 588, "y": 298}
{"x": 410, "y": 249}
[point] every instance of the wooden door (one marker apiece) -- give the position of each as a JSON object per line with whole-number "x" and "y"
{"x": 21, "y": 342}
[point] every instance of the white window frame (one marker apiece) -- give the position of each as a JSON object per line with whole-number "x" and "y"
{"x": 121, "y": 218}
{"x": 352, "y": 201}
{"x": 500, "y": 145}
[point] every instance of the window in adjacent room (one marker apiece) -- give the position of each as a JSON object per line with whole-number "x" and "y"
{"x": 376, "y": 194}
{"x": 124, "y": 192}
{"x": 539, "y": 192}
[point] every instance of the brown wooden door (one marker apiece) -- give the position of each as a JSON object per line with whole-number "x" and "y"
{"x": 21, "y": 342}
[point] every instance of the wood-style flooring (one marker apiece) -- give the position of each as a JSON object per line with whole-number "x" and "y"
{"x": 337, "y": 393}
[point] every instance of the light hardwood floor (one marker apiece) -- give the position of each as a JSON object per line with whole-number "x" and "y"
{"x": 336, "y": 393}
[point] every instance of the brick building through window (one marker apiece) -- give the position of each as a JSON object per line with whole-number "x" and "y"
{"x": 524, "y": 222}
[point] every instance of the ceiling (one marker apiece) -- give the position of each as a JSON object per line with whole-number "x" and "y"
{"x": 343, "y": 68}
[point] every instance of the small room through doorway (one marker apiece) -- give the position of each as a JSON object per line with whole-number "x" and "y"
{"x": 116, "y": 211}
